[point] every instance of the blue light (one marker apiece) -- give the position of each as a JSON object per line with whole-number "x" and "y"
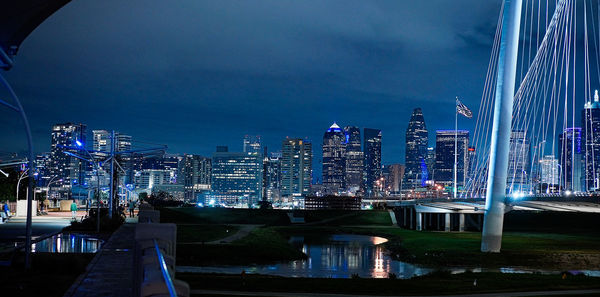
{"x": 78, "y": 143}
{"x": 199, "y": 204}
{"x": 211, "y": 202}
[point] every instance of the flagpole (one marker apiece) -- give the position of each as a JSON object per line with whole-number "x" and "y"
{"x": 455, "y": 143}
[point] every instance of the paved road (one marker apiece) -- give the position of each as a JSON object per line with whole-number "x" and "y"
{"x": 284, "y": 294}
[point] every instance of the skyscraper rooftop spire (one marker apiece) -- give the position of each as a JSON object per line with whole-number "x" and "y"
{"x": 334, "y": 128}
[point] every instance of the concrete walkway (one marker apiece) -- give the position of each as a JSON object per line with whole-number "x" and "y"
{"x": 285, "y": 294}
{"x": 111, "y": 271}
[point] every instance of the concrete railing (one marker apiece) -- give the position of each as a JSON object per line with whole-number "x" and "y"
{"x": 154, "y": 260}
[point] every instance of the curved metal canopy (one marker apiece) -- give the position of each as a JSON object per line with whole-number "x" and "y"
{"x": 18, "y": 18}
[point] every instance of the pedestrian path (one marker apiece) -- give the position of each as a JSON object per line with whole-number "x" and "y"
{"x": 242, "y": 232}
{"x": 111, "y": 271}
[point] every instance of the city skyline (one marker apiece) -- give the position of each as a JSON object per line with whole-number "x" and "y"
{"x": 176, "y": 97}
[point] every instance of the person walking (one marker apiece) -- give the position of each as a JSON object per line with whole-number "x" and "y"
{"x": 73, "y": 210}
{"x": 131, "y": 208}
{"x": 6, "y": 210}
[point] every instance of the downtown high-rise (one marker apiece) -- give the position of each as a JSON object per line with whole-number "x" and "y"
{"x": 372, "y": 151}
{"x": 571, "y": 159}
{"x": 66, "y": 171}
{"x": 195, "y": 175}
{"x": 590, "y": 118}
{"x": 334, "y": 160}
{"x": 417, "y": 139}
{"x": 445, "y": 150}
{"x": 236, "y": 177}
{"x": 354, "y": 160}
{"x": 518, "y": 174}
{"x": 296, "y": 167}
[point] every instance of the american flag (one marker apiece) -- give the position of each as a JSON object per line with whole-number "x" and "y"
{"x": 463, "y": 109}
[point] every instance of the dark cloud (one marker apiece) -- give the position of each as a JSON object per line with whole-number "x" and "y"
{"x": 195, "y": 74}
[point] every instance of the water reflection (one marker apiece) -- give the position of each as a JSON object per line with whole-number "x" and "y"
{"x": 67, "y": 243}
{"x": 337, "y": 256}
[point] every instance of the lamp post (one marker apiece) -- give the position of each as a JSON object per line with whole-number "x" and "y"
{"x": 98, "y": 166}
{"x": 50, "y": 183}
{"x": 21, "y": 177}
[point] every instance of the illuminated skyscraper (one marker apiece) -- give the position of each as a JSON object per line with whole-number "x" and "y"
{"x": 372, "y": 139}
{"x": 296, "y": 167}
{"x": 416, "y": 150}
{"x": 237, "y": 177}
{"x": 518, "y": 174}
{"x": 354, "y": 159}
{"x": 590, "y": 117}
{"x": 62, "y": 166}
{"x": 252, "y": 144}
{"x": 571, "y": 161}
{"x": 195, "y": 175}
{"x": 444, "y": 157}
{"x": 334, "y": 159}
{"x": 549, "y": 176}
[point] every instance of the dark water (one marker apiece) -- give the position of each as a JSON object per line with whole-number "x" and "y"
{"x": 337, "y": 256}
{"x": 341, "y": 256}
{"x": 67, "y": 243}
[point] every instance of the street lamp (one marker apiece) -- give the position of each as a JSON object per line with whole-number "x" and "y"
{"x": 50, "y": 183}
{"x": 21, "y": 177}
{"x": 97, "y": 165}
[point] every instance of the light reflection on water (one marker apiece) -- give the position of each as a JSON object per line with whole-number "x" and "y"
{"x": 339, "y": 256}
{"x": 67, "y": 243}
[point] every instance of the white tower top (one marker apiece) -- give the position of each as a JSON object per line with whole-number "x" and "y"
{"x": 596, "y": 99}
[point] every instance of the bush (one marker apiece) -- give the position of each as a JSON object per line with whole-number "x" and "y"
{"x": 89, "y": 224}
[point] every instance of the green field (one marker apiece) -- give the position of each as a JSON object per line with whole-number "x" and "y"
{"x": 268, "y": 244}
{"x": 199, "y": 233}
{"x": 433, "y": 284}
{"x": 262, "y": 245}
{"x": 193, "y": 215}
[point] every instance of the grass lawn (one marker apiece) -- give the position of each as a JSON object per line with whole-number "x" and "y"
{"x": 194, "y": 215}
{"x": 433, "y": 284}
{"x": 51, "y": 274}
{"x": 357, "y": 217}
{"x": 540, "y": 250}
{"x": 262, "y": 245}
{"x": 199, "y": 233}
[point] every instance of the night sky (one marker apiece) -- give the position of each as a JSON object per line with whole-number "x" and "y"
{"x": 197, "y": 74}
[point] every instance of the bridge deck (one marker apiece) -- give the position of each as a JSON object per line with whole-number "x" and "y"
{"x": 110, "y": 273}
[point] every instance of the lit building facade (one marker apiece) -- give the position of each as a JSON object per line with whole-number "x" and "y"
{"x": 372, "y": 145}
{"x": 416, "y": 151}
{"x": 296, "y": 167}
{"x": 444, "y": 157}
{"x": 518, "y": 174}
{"x": 334, "y": 159}
{"x": 549, "y": 173}
{"x": 590, "y": 118}
{"x": 70, "y": 170}
{"x": 272, "y": 178}
{"x": 354, "y": 160}
{"x": 252, "y": 144}
{"x": 195, "y": 175}
{"x": 571, "y": 159}
{"x": 237, "y": 177}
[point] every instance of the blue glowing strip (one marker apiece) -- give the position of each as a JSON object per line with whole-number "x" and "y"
{"x": 165, "y": 272}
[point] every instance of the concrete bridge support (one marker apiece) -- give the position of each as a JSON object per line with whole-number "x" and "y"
{"x": 491, "y": 240}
